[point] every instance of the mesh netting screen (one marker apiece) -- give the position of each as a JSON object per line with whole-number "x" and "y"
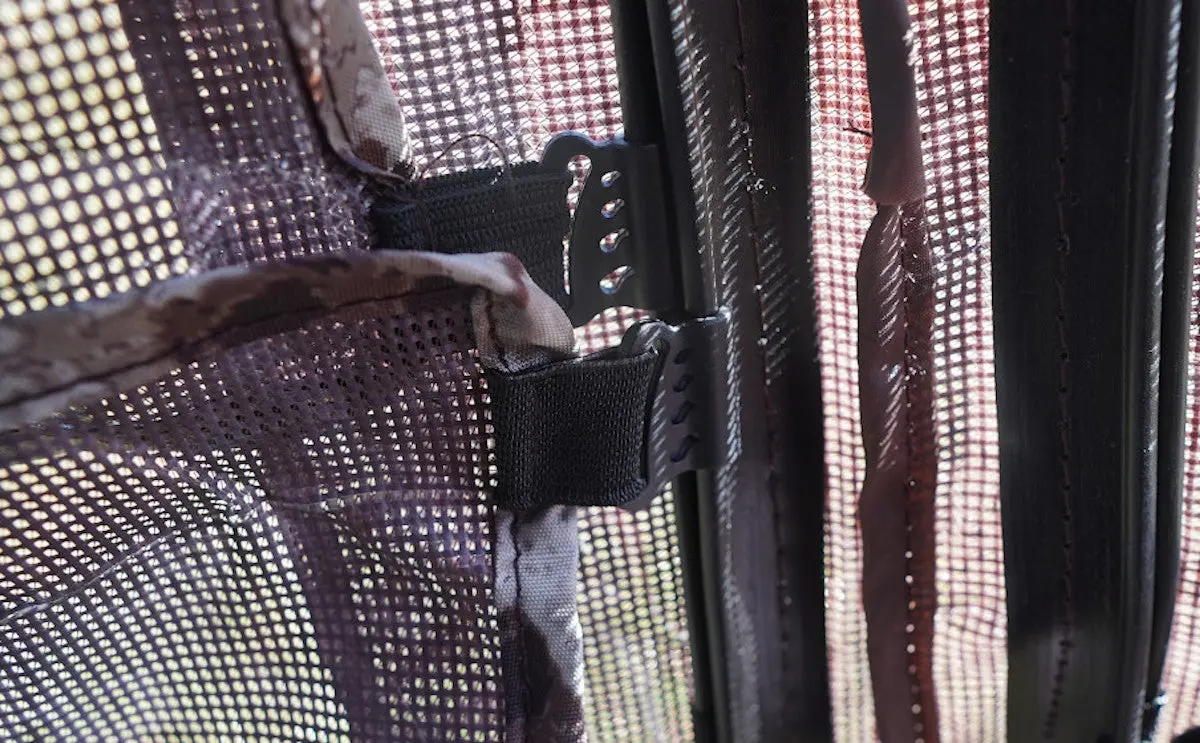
{"x": 841, "y": 214}
{"x": 1181, "y": 677}
{"x": 633, "y": 601}
{"x": 213, "y": 555}
{"x": 517, "y": 72}
{"x": 85, "y": 211}
{"x": 217, "y": 553}
{"x": 950, "y": 46}
{"x": 165, "y": 568}
{"x": 970, "y": 653}
{"x": 636, "y": 649}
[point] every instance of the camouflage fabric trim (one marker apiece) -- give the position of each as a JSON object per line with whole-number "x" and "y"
{"x": 81, "y": 353}
{"x": 354, "y": 101}
{"x": 536, "y": 558}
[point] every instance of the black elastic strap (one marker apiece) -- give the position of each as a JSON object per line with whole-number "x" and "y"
{"x": 522, "y": 211}
{"x": 572, "y": 433}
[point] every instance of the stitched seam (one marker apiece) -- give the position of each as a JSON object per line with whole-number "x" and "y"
{"x": 106, "y": 570}
{"x": 514, "y": 534}
{"x": 519, "y": 615}
{"x": 333, "y": 509}
{"x": 490, "y": 313}
{"x": 771, "y": 433}
{"x": 914, "y": 689}
{"x": 216, "y": 517}
{"x": 918, "y": 364}
{"x": 1063, "y": 243}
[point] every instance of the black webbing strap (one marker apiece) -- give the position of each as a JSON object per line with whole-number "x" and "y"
{"x": 614, "y": 428}
{"x": 573, "y": 433}
{"x": 523, "y": 211}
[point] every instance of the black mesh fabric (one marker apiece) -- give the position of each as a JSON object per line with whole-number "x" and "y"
{"x": 85, "y": 211}
{"x": 290, "y": 541}
{"x": 249, "y": 178}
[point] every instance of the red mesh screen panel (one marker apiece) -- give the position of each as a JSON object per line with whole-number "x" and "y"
{"x": 1181, "y": 676}
{"x": 950, "y": 50}
{"x": 970, "y": 642}
{"x": 841, "y": 214}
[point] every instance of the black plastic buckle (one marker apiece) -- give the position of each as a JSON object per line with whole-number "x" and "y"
{"x": 686, "y": 422}
{"x": 619, "y": 245}
{"x": 620, "y": 255}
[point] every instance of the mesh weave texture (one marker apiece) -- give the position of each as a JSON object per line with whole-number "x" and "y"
{"x": 226, "y": 552}
{"x": 218, "y": 553}
{"x": 85, "y": 211}
{"x": 1181, "y": 677}
{"x": 223, "y": 554}
{"x": 950, "y": 45}
{"x": 521, "y": 72}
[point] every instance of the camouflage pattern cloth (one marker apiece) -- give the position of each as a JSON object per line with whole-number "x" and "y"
{"x": 81, "y": 353}
{"x": 360, "y": 115}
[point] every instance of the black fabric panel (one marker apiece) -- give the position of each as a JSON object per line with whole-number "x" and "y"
{"x": 774, "y": 72}
{"x": 572, "y": 433}
{"x": 745, "y": 84}
{"x": 1180, "y": 245}
{"x": 523, "y": 211}
{"x": 1079, "y": 114}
